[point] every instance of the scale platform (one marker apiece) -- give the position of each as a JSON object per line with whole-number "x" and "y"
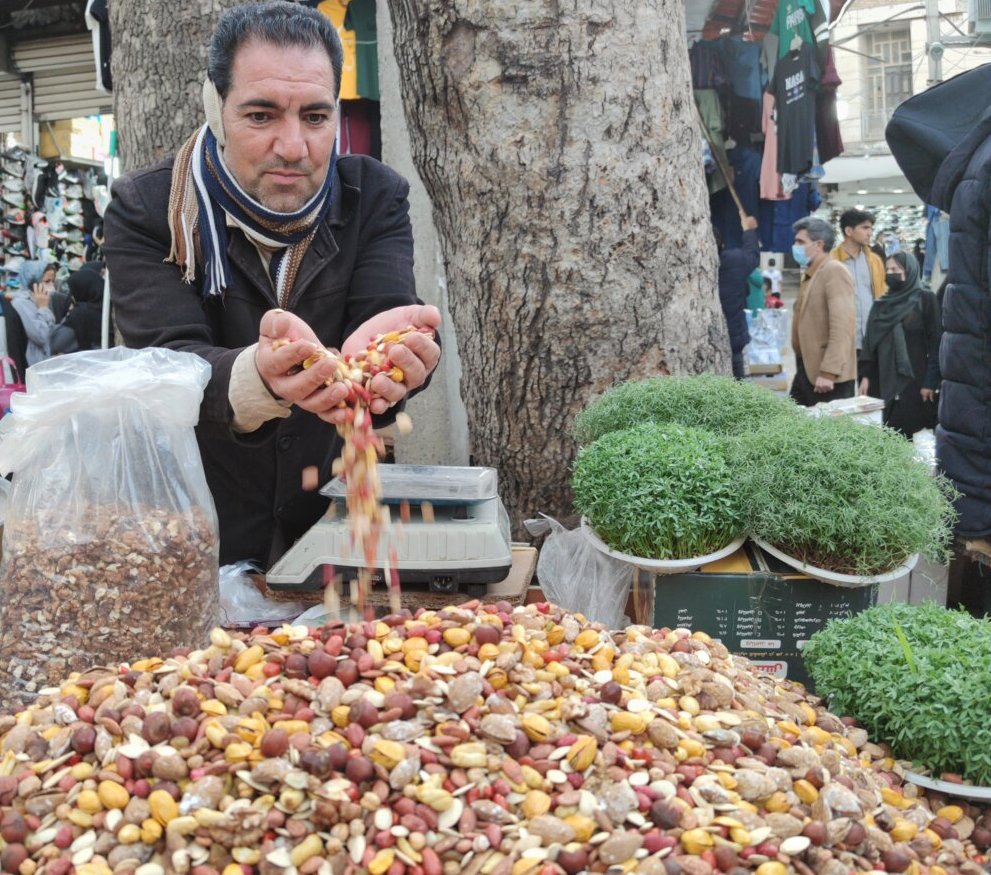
{"x": 462, "y": 546}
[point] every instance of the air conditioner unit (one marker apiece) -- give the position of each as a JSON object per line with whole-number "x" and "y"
{"x": 980, "y": 16}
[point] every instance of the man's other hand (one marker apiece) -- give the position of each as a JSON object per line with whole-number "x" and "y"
{"x": 280, "y": 365}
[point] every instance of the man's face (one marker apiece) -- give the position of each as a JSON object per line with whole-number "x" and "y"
{"x": 861, "y": 234}
{"x": 812, "y": 248}
{"x": 280, "y": 120}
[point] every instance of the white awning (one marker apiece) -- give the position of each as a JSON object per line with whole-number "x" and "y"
{"x": 848, "y": 169}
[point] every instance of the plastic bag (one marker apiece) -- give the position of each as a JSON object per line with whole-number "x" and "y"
{"x": 110, "y": 544}
{"x": 577, "y": 577}
{"x": 242, "y": 604}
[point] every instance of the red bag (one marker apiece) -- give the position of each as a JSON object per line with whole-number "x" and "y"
{"x": 9, "y": 387}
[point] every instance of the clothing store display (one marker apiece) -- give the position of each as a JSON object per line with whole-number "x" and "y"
{"x": 828, "y": 137}
{"x": 360, "y": 18}
{"x": 770, "y": 179}
{"x": 805, "y": 20}
{"x": 98, "y": 21}
{"x": 746, "y": 180}
{"x": 706, "y": 59}
{"x": 741, "y": 61}
{"x": 360, "y": 128}
{"x": 937, "y": 242}
{"x": 335, "y": 10}
{"x": 795, "y": 78}
{"x": 711, "y": 112}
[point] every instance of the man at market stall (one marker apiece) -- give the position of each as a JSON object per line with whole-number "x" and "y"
{"x": 824, "y": 323}
{"x": 255, "y": 233}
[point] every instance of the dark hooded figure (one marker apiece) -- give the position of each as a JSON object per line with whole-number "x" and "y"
{"x": 899, "y": 359}
{"x": 85, "y": 317}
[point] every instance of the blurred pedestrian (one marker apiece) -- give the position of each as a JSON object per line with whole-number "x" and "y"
{"x": 735, "y": 265}
{"x": 824, "y": 325}
{"x": 900, "y": 358}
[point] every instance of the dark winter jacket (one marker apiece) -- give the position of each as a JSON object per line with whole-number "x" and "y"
{"x": 735, "y": 265}
{"x": 962, "y": 188}
{"x": 359, "y": 264}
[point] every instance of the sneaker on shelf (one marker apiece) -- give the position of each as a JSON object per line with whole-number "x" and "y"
{"x": 15, "y": 199}
{"x": 10, "y": 170}
{"x": 12, "y": 183}
{"x": 75, "y": 219}
{"x": 15, "y": 154}
{"x": 75, "y": 263}
{"x": 74, "y": 235}
{"x": 15, "y": 218}
{"x": 16, "y": 248}
{"x": 14, "y": 264}
{"x": 70, "y": 207}
{"x": 74, "y": 191}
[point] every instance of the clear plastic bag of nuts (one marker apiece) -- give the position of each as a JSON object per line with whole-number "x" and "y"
{"x": 110, "y": 548}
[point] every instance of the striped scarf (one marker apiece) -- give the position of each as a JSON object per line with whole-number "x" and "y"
{"x": 204, "y": 195}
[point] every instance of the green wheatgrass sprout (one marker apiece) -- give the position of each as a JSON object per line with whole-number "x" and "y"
{"x": 841, "y": 495}
{"x": 659, "y": 491}
{"x": 917, "y": 677}
{"x": 718, "y": 404}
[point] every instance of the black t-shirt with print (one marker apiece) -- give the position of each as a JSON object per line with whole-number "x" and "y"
{"x": 796, "y": 77}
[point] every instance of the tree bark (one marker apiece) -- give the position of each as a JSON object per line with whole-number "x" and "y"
{"x": 158, "y": 67}
{"x": 559, "y": 144}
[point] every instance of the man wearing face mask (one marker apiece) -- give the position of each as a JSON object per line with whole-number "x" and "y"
{"x": 823, "y": 330}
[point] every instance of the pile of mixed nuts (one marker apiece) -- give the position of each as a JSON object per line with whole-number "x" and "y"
{"x": 477, "y": 739}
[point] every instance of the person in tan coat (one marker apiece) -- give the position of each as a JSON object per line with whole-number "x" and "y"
{"x": 823, "y": 330}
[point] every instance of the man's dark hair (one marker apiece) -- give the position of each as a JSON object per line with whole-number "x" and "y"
{"x": 853, "y": 217}
{"x": 277, "y": 22}
{"x": 770, "y": 262}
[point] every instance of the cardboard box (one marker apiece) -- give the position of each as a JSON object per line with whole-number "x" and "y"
{"x": 779, "y": 383}
{"x": 755, "y": 605}
{"x": 759, "y": 370}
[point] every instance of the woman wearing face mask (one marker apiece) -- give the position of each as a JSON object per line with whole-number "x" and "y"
{"x": 900, "y": 357}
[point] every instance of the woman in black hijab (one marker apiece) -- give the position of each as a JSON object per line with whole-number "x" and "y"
{"x": 85, "y": 317}
{"x": 900, "y": 357}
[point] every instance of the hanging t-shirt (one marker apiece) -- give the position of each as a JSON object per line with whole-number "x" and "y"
{"x": 795, "y": 80}
{"x": 741, "y": 61}
{"x": 807, "y": 20}
{"x": 336, "y": 10}
{"x": 828, "y": 137}
{"x": 770, "y": 179}
{"x": 361, "y": 19}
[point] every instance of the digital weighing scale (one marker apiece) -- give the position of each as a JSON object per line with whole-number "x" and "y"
{"x": 463, "y": 545}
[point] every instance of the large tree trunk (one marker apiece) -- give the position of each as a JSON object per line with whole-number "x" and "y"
{"x": 158, "y": 66}
{"x": 558, "y": 141}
